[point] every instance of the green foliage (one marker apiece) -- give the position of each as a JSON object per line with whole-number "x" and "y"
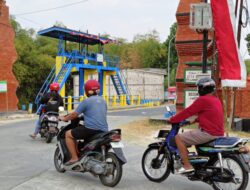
{"x": 247, "y": 62}
{"x": 173, "y": 53}
{"x": 36, "y": 57}
{"x": 248, "y": 43}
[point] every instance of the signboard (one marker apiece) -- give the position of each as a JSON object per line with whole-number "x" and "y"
{"x": 3, "y": 86}
{"x": 99, "y": 57}
{"x": 190, "y": 97}
{"x": 192, "y": 75}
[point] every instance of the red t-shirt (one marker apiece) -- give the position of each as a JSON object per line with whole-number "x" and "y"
{"x": 210, "y": 114}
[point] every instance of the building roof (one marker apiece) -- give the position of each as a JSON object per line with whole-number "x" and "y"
{"x": 74, "y": 36}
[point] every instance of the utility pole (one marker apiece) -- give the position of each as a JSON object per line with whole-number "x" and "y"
{"x": 204, "y": 54}
{"x": 169, "y": 54}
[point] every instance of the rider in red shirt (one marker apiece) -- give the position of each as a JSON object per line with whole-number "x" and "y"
{"x": 210, "y": 116}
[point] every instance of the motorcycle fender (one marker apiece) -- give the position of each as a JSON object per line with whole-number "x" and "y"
{"x": 156, "y": 144}
{"x": 245, "y": 159}
{"x": 119, "y": 153}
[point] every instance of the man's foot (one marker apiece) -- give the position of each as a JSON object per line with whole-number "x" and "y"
{"x": 33, "y": 136}
{"x": 183, "y": 170}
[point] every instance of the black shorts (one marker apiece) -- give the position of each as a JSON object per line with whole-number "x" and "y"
{"x": 85, "y": 133}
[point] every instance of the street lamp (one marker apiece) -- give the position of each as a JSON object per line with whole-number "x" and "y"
{"x": 169, "y": 59}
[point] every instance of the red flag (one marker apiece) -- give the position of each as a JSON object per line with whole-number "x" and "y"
{"x": 231, "y": 64}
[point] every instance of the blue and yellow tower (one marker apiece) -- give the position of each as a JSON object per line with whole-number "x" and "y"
{"x": 82, "y": 62}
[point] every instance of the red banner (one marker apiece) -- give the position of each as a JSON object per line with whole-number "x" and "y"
{"x": 231, "y": 65}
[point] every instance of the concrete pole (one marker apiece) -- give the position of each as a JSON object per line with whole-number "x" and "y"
{"x": 169, "y": 59}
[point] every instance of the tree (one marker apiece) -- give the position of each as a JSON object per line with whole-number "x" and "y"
{"x": 173, "y": 53}
{"x": 36, "y": 57}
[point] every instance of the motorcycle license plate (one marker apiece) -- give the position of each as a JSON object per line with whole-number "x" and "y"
{"x": 117, "y": 145}
{"x": 52, "y": 129}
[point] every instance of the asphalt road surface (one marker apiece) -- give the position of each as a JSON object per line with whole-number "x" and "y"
{"x": 27, "y": 164}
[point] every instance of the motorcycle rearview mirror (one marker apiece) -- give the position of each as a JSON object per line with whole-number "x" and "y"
{"x": 61, "y": 109}
{"x": 168, "y": 108}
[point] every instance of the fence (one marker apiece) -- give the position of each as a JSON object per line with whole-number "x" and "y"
{"x": 113, "y": 101}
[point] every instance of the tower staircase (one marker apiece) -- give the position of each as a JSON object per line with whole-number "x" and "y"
{"x": 120, "y": 85}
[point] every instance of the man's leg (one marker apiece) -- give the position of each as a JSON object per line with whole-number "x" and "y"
{"x": 71, "y": 145}
{"x": 183, "y": 153}
{"x": 37, "y": 129}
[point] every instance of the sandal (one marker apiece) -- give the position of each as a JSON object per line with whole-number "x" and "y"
{"x": 70, "y": 163}
{"x": 182, "y": 170}
{"x": 32, "y": 136}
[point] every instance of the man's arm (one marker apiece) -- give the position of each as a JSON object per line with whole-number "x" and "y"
{"x": 69, "y": 117}
{"x": 188, "y": 112}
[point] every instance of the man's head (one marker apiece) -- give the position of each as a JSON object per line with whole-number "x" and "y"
{"x": 92, "y": 87}
{"x": 54, "y": 87}
{"x": 205, "y": 86}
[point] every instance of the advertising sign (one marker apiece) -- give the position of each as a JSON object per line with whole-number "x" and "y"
{"x": 99, "y": 57}
{"x": 3, "y": 86}
{"x": 190, "y": 97}
{"x": 192, "y": 75}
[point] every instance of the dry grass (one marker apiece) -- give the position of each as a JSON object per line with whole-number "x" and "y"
{"x": 142, "y": 132}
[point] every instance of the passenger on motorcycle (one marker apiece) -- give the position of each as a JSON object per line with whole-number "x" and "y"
{"x": 51, "y": 101}
{"x": 94, "y": 110}
{"x": 209, "y": 113}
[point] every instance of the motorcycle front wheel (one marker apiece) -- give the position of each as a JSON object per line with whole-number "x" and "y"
{"x": 58, "y": 162}
{"x": 154, "y": 166}
{"x": 240, "y": 179}
{"x": 114, "y": 173}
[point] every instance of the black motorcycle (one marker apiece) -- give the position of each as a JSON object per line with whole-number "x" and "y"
{"x": 49, "y": 126}
{"x": 102, "y": 155}
{"x": 222, "y": 163}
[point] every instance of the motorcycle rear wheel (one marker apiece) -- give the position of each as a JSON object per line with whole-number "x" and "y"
{"x": 234, "y": 164}
{"x": 151, "y": 166}
{"x": 114, "y": 178}
{"x": 58, "y": 161}
{"x": 49, "y": 137}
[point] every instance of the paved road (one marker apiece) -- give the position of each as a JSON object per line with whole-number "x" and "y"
{"x": 27, "y": 164}
{"x": 141, "y": 112}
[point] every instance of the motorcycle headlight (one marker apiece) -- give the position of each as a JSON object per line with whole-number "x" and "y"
{"x": 52, "y": 124}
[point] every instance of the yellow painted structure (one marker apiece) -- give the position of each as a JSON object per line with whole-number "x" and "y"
{"x": 139, "y": 100}
{"x": 69, "y": 108}
{"x": 59, "y": 61}
{"x": 114, "y": 101}
{"x": 131, "y": 100}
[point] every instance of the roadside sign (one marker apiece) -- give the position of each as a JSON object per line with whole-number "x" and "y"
{"x": 190, "y": 97}
{"x": 3, "y": 86}
{"x": 192, "y": 75}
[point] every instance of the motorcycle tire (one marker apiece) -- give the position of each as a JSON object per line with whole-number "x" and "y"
{"x": 116, "y": 174}
{"x": 245, "y": 175}
{"x": 57, "y": 159}
{"x": 49, "y": 138}
{"x": 146, "y": 171}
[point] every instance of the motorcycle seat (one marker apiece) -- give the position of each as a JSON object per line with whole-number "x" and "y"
{"x": 223, "y": 142}
{"x": 100, "y": 135}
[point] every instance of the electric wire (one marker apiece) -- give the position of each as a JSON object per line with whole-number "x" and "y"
{"x": 50, "y": 9}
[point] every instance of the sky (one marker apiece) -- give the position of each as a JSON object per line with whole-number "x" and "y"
{"x": 118, "y": 18}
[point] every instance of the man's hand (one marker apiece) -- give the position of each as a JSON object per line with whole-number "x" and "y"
{"x": 62, "y": 118}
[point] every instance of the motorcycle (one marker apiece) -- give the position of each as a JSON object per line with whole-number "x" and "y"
{"x": 223, "y": 163}
{"x": 102, "y": 155}
{"x": 49, "y": 124}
